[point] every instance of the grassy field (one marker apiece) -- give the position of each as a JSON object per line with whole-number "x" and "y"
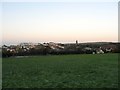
{"x": 0, "y": 72}
{"x": 62, "y": 71}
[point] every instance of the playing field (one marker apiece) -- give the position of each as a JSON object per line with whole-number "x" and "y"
{"x": 61, "y": 71}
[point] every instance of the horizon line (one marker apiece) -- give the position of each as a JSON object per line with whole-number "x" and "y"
{"x": 63, "y": 42}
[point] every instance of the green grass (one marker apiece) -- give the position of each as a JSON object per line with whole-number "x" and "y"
{"x": 0, "y": 73}
{"x": 62, "y": 71}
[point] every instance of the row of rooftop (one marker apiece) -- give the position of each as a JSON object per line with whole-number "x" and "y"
{"x": 60, "y": 46}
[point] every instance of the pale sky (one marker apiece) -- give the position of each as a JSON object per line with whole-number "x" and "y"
{"x": 59, "y": 22}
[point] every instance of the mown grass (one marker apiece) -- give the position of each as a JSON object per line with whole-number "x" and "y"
{"x": 0, "y": 72}
{"x": 61, "y": 71}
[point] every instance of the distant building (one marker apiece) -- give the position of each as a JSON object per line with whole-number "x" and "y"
{"x": 4, "y": 46}
{"x": 99, "y": 51}
{"x": 88, "y": 48}
{"x": 76, "y": 42}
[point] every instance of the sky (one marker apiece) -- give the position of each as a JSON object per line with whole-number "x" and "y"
{"x": 63, "y": 22}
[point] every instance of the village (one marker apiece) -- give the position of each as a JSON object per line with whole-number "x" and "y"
{"x": 58, "y": 48}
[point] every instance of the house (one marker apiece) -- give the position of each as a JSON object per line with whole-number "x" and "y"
{"x": 88, "y": 48}
{"x": 109, "y": 47}
{"x": 55, "y": 46}
{"x": 108, "y": 50}
{"x": 99, "y": 51}
{"x": 4, "y": 47}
